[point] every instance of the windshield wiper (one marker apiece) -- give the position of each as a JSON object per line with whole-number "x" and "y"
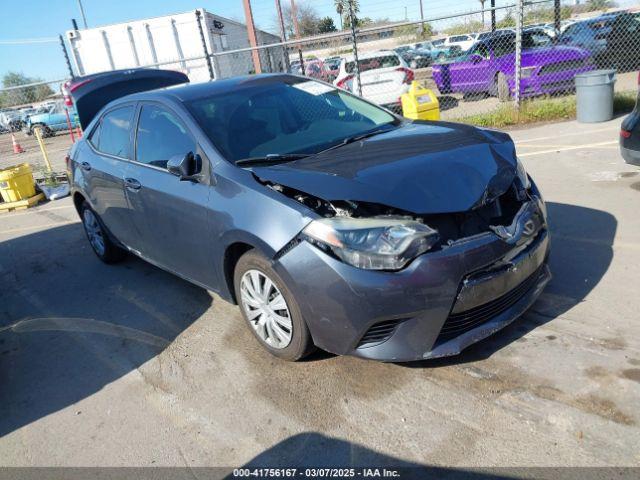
{"x": 271, "y": 159}
{"x": 357, "y": 138}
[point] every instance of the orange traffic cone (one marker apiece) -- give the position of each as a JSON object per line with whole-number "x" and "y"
{"x": 16, "y": 146}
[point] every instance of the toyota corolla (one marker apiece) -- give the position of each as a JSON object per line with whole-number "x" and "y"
{"x": 330, "y": 221}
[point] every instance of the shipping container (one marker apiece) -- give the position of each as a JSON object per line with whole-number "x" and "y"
{"x": 173, "y": 42}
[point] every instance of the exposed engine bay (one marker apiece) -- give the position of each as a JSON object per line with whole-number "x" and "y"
{"x": 493, "y": 215}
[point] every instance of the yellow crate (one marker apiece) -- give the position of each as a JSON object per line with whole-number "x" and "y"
{"x": 420, "y": 103}
{"x": 16, "y": 183}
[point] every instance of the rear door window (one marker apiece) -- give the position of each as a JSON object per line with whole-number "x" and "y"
{"x": 114, "y": 132}
{"x": 161, "y": 135}
{"x": 374, "y": 63}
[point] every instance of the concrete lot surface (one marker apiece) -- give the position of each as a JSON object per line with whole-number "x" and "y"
{"x": 129, "y": 365}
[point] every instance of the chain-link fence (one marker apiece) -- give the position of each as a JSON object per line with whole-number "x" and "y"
{"x": 475, "y": 61}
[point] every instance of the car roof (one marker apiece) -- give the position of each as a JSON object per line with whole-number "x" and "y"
{"x": 194, "y": 91}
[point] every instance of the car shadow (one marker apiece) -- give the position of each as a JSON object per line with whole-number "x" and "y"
{"x": 316, "y": 451}
{"x": 70, "y": 325}
{"x": 581, "y": 253}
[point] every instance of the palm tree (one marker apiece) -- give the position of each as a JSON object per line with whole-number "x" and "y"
{"x": 482, "y": 7}
{"x": 342, "y": 8}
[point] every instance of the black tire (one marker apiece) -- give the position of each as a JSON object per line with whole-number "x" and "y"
{"x": 501, "y": 87}
{"x": 111, "y": 253}
{"x": 301, "y": 343}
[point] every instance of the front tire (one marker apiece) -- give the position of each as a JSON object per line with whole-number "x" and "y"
{"x": 101, "y": 244}
{"x": 270, "y": 309}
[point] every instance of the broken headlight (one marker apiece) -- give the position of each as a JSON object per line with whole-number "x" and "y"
{"x": 372, "y": 243}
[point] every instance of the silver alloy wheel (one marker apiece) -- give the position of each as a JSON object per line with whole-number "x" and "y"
{"x": 94, "y": 231}
{"x": 266, "y": 309}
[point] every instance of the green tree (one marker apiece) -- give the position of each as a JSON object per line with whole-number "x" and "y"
{"x": 594, "y": 5}
{"x": 342, "y": 8}
{"x": 326, "y": 25}
{"x": 308, "y": 20}
{"x": 21, "y": 96}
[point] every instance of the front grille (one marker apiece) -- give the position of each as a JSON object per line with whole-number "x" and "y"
{"x": 461, "y": 322}
{"x": 380, "y": 332}
{"x": 561, "y": 66}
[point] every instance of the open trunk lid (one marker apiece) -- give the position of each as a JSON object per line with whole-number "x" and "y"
{"x": 92, "y": 92}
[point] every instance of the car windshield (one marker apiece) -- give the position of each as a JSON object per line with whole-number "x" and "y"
{"x": 284, "y": 117}
{"x": 373, "y": 63}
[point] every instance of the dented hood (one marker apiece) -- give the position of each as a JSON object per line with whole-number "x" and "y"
{"x": 421, "y": 168}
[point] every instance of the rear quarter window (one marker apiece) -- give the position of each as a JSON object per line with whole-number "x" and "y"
{"x": 374, "y": 63}
{"x": 112, "y": 136}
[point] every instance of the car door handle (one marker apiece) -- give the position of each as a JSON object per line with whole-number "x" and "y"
{"x": 86, "y": 166}
{"x": 132, "y": 184}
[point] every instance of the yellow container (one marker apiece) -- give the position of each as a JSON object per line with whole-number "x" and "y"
{"x": 16, "y": 183}
{"x": 420, "y": 103}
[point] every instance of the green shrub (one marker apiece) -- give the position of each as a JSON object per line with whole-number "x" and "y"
{"x": 541, "y": 110}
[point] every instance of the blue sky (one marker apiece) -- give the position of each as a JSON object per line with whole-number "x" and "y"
{"x": 48, "y": 18}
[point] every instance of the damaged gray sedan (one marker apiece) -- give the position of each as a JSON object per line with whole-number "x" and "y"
{"x": 331, "y": 222}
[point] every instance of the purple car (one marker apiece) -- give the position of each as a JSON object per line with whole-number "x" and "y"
{"x": 489, "y": 67}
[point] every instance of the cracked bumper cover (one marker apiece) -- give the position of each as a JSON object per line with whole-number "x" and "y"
{"x": 340, "y": 302}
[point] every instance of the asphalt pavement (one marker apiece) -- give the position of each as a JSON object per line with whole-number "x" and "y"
{"x": 126, "y": 365}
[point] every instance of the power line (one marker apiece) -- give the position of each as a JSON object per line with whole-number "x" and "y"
{"x": 29, "y": 41}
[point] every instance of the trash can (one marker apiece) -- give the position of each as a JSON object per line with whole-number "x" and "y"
{"x": 420, "y": 103}
{"x": 16, "y": 183}
{"x": 594, "y": 92}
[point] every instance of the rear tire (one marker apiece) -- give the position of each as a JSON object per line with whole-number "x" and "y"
{"x": 101, "y": 244}
{"x": 281, "y": 330}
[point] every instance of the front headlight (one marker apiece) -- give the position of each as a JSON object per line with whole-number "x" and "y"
{"x": 522, "y": 175}
{"x": 527, "y": 72}
{"x": 372, "y": 243}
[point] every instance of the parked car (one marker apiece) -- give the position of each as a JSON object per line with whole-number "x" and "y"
{"x": 415, "y": 58}
{"x": 630, "y": 135}
{"x": 332, "y": 65}
{"x": 465, "y": 42}
{"x": 613, "y": 40}
{"x": 384, "y": 77}
{"x": 53, "y": 119}
{"x": 489, "y": 67}
{"x": 496, "y": 33}
{"x": 315, "y": 68}
{"x": 12, "y": 120}
{"x": 330, "y": 221}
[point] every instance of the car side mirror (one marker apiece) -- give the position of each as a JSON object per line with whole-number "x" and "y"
{"x": 475, "y": 58}
{"x": 186, "y": 167}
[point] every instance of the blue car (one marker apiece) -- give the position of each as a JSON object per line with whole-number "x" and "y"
{"x": 330, "y": 221}
{"x": 53, "y": 119}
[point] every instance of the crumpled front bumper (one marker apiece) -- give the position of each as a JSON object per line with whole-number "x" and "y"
{"x": 340, "y": 303}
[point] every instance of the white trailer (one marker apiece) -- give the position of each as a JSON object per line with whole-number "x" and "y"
{"x": 173, "y": 42}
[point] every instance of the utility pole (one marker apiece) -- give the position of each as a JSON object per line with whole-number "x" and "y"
{"x": 283, "y": 34}
{"x": 405, "y": 13}
{"x": 296, "y": 29}
{"x": 84, "y": 18}
{"x": 294, "y": 19}
{"x": 251, "y": 32}
{"x": 421, "y": 18}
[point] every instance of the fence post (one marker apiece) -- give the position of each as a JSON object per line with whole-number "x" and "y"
{"x": 66, "y": 56}
{"x": 204, "y": 46}
{"x": 352, "y": 18}
{"x": 518, "y": 66}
